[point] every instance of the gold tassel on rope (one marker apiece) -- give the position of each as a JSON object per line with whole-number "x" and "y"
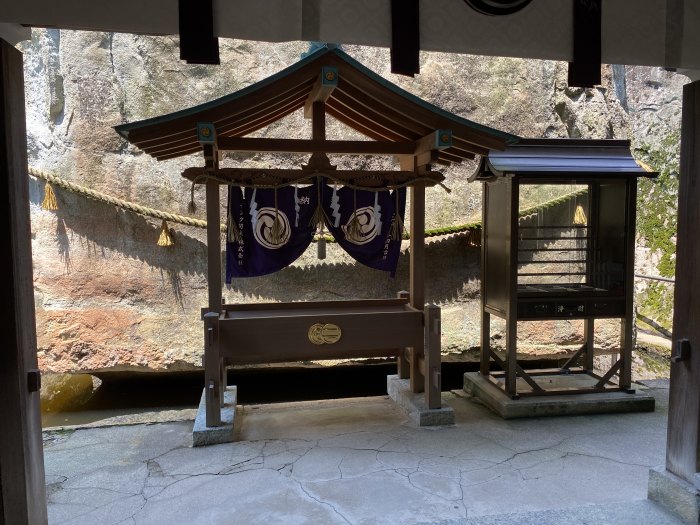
{"x": 319, "y": 217}
{"x": 49, "y": 202}
{"x": 397, "y": 226}
{"x": 165, "y": 238}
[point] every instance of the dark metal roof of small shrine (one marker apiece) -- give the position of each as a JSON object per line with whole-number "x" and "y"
{"x": 560, "y": 157}
{"x": 361, "y": 100}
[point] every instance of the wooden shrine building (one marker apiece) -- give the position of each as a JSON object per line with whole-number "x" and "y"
{"x": 398, "y": 124}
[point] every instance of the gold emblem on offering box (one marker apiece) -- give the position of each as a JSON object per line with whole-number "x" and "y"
{"x": 324, "y": 333}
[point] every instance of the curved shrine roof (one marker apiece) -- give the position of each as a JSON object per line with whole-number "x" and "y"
{"x": 360, "y": 99}
{"x": 561, "y": 158}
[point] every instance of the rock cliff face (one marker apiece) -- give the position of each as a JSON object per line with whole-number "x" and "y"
{"x": 109, "y": 299}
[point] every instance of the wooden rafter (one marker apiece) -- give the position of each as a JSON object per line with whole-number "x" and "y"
{"x": 359, "y": 122}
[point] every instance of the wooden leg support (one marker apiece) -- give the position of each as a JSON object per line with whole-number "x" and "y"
{"x": 417, "y": 379}
{"x": 212, "y": 369}
{"x": 223, "y": 381}
{"x": 433, "y": 376}
{"x": 402, "y": 361}
{"x": 589, "y": 340}
{"x": 511, "y": 357}
{"x": 626, "y": 353}
{"x": 485, "y": 367}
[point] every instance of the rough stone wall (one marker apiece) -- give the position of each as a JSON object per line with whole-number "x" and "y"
{"x": 109, "y": 299}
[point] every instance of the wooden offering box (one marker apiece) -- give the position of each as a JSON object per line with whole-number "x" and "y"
{"x": 572, "y": 261}
{"x": 279, "y": 332}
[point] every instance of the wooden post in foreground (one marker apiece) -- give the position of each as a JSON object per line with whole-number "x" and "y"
{"x": 417, "y": 274}
{"x": 22, "y": 482}
{"x": 683, "y": 444}
{"x": 433, "y": 374}
{"x": 214, "y": 371}
{"x": 402, "y": 363}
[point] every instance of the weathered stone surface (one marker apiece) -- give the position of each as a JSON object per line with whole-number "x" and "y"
{"x": 357, "y": 461}
{"x": 109, "y": 299}
{"x": 66, "y": 392}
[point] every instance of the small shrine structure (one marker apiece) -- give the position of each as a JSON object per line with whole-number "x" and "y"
{"x": 398, "y": 124}
{"x": 540, "y": 265}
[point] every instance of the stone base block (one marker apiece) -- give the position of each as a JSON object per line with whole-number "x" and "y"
{"x": 555, "y": 405}
{"x": 202, "y": 435}
{"x": 675, "y": 494}
{"x": 400, "y": 391}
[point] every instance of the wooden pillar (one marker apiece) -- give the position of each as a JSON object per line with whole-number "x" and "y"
{"x": 213, "y": 246}
{"x": 627, "y": 328}
{"x": 318, "y": 122}
{"x": 433, "y": 373}
{"x": 417, "y": 275}
{"x": 402, "y": 363}
{"x": 212, "y": 370}
{"x": 213, "y": 364}
{"x": 485, "y": 366}
{"x": 22, "y": 492}
{"x": 683, "y": 444}
{"x": 511, "y": 255}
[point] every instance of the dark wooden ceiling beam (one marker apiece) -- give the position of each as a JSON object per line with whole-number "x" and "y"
{"x": 272, "y": 177}
{"x": 351, "y": 147}
{"x": 326, "y": 82}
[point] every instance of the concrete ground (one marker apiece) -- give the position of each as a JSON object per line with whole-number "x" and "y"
{"x": 362, "y": 461}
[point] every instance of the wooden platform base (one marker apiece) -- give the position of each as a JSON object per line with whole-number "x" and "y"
{"x": 555, "y": 405}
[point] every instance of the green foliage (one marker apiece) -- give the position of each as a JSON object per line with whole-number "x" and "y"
{"x": 656, "y": 302}
{"x": 657, "y": 203}
{"x": 657, "y": 209}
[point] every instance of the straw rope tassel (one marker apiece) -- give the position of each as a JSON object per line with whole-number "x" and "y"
{"x": 397, "y": 226}
{"x": 319, "y": 217}
{"x": 165, "y": 238}
{"x": 580, "y": 216}
{"x": 49, "y": 202}
{"x": 321, "y": 246}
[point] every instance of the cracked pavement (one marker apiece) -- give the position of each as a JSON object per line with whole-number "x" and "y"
{"x": 354, "y": 461}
